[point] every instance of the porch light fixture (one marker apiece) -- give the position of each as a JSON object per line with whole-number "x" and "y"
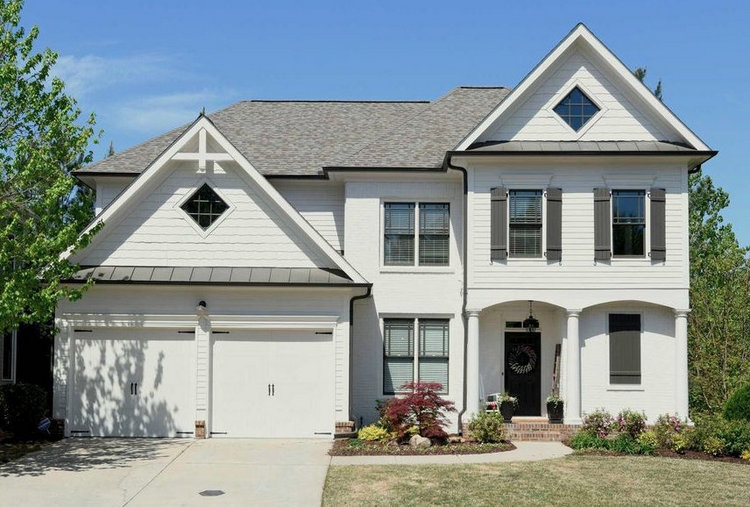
{"x": 531, "y": 324}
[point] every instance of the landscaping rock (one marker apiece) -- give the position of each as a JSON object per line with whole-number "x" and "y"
{"x": 419, "y": 441}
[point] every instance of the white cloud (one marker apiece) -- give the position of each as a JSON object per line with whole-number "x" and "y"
{"x": 159, "y": 113}
{"x": 90, "y": 73}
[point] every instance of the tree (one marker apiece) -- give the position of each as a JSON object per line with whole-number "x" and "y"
{"x": 719, "y": 330}
{"x": 640, "y": 74}
{"x": 42, "y": 139}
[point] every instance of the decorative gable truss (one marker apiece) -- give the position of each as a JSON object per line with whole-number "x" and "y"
{"x": 186, "y": 197}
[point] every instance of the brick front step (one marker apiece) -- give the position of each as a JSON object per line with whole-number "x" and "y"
{"x": 539, "y": 431}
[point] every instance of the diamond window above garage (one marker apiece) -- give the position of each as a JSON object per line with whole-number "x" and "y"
{"x": 576, "y": 109}
{"x": 205, "y": 206}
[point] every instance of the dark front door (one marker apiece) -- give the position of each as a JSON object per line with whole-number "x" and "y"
{"x": 523, "y": 362}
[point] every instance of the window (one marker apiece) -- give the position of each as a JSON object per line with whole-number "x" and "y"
{"x": 205, "y": 206}
{"x": 7, "y": 359}
{"x": 525, "y": 224}
{"x": 628, "y": 222}
{"x": 576, "y": 109}
{"x": 400, "y": 236}
{"x": 401, "y": 360}
{"x": 624, "y": 348}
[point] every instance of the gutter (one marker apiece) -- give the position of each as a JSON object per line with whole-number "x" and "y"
{"x": 465, "y": 178}
{"x": 366, "y": 295}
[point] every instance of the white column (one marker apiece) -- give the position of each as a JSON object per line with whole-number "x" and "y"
{"x": 573, "y": 377}
{"x": 472, "y": 364}
{"x": 681, "y": 362}
{"x": 202, "y": 372}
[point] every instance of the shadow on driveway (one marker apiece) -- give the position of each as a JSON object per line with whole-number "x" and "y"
{"x": 81, "y": 454}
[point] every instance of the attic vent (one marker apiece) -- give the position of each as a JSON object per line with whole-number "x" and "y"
{"x": 205, "y": 206}
{"x": 576, "y": 109}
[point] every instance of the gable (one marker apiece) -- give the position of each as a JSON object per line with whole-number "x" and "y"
{"x": 628, "y": 110}
{"x": 147, "y": 225}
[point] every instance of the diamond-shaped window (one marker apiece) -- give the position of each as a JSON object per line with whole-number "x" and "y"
{"x": 576, "y": 109}
{"x": 205, "y": 206}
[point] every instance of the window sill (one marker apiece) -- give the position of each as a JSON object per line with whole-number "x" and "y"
{"x": 418, "y": 269}
{"x": 637, "y": 388}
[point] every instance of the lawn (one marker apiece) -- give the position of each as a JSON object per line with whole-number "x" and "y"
{"x": 574, "y": 480}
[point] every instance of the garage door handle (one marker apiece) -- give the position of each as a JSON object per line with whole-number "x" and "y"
{"x": 273, "y": 389}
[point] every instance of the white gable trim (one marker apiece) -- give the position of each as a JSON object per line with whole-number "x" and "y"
{"x": 201, "y": 127}
{"x": 582, "y": 34}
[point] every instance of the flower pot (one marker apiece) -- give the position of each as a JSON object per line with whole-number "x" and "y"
{"x": 555, "y": 412}
{"x": 507, "y": 408}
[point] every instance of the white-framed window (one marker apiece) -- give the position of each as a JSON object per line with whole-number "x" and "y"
{"x": 416, "y": 234}
{"x": 403, "y": 356}
{"x": 525, "y": 223}
{"x": 8, "y": 357}
{"x": 628, "y": 223}
{"x": 624, "y": 348}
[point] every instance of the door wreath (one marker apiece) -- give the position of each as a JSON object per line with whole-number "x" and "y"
{"x": 522, "y": 359}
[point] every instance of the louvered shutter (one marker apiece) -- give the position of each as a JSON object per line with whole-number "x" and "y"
{"x": 602, "y": 225}
{"x": 658, "y": 229}
{"x": 498, "y": 224}
{"x": 554, "y": 224}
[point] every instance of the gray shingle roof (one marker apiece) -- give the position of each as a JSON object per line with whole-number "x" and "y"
{"x": 212, "y": 275}
{"x": 302, "y": 137}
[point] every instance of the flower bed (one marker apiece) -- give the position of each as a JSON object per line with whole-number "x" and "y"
{"x": 356, "y": 447}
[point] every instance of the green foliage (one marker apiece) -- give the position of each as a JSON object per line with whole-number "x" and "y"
{"x": 42, "y": 212}
{"x": 488, "y": 427}
{"x": 587, "y": 439}
{"x": 738, "y": 405}
{"x": 625, "y": 444}
{"x": 22, "y": 406}
{"x": 631, "y": 422}
{"x": 719, "y": 325}
{"x": 421, "y": 408}
{"x": 718, "y": 436}
{"x": 648, "y": 442}
{"x": 640, "y": 74}
{"x": 374, "y": 433}
{"x": 599, "y": 422}
{"x": 746, "y": 454}
{"x": 667, "y": 429}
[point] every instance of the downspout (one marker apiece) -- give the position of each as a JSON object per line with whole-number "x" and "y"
{"x": 465, "y": 178}
{"x": 351, "y": 343}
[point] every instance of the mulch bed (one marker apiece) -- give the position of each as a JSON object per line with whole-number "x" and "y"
{"x": 666, "y": 453}
{"x": 347, "y": 447}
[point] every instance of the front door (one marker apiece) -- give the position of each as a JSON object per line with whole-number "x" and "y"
{"x": 522, "y": 371}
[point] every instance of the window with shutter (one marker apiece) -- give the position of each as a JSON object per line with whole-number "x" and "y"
{"x": 525, "y": 223}
{"x": 658, "y": 224}
{"x": 624, "y": 348}
{"x": 498, "y": 224}
{"x": 628, "y": 223}
{"x": 554, "y": 224}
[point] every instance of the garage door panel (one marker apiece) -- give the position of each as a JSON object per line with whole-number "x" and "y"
{"x": 133, "y": 382}
{"x": 281, "y": 384}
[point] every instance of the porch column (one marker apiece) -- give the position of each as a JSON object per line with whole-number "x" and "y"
{"x": 681, "y": 362}
{"x": 472, "y": 363}
{"x": 573, "y": 377}
{"x": 202, "y": 372}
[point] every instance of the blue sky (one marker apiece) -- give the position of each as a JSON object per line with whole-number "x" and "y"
{"x": 147, "y": 66}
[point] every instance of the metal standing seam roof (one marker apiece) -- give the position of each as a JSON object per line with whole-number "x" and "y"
{"x": 300, "y": 138}
{"x": 582, "y": 146}
{"x": 212, "y": 275}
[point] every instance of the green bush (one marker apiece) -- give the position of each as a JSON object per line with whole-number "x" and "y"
{"x": 625, "y": 443}
{"x": 599, "y": 422}
{"x": 587, "y": 439}
{"x": 488, "y": 427}
{"x": 737, "y": 406}
{"x": 631, "y": 422}
{"x": 667, "y": 429}
{"x": 648, "y": 442}
{"x": 22, "y": 406}
{"x": 718, "y": 436}
{"x": 374, "y": 433}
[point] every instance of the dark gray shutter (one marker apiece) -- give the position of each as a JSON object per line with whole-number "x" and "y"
{"x": 658, "y": 229}
{"x": 624, "y": 348}
{"x": 602, "y": 225}
{"x": 554, "y": 224}
{"x": 498, "y": 224}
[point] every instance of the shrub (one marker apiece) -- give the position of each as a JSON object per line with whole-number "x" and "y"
{"x": 666, "y": 429}
{"x": 487, "y": 427}
{"x": 746, "y": 454}
{"x": 422, "y": 408}
{"x": 599, "y": 422}
{"x": 718, "y": 436}
{"x": 22, "y": 406}
{"x": 374, "y": 433}
{"x": 631, "y": 422}
{"x": 737, "y": 406}
{"x": 587, "y": 439}
{"x": 648, "y": 442}
{"x": 625, "y": 443}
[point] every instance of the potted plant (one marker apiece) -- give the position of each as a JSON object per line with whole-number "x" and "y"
{"x": 555, "y": 408}
{"x": 508, "y": 406}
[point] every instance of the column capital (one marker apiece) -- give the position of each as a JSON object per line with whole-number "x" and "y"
{"x": 472, "y": 312}
{"x": 681, "y": 312}
{"x": 573, "y": 312}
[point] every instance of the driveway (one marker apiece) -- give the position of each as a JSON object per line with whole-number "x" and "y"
{"x": 137, "y": 472}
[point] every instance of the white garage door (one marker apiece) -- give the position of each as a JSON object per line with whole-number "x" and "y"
{"x": 273, "y": 384}
{"x": 133, "y": 382}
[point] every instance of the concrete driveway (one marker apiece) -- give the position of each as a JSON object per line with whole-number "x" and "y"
{"x": 137, "y": 472}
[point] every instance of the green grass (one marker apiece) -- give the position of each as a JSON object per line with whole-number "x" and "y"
{"x": 575, "y": 480}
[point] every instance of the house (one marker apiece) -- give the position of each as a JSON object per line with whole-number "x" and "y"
{"x": 275, "y": 268}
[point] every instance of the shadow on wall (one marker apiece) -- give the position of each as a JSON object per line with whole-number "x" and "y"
{"x": 80, "y": 454}
{"x": 131, "y": 385}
